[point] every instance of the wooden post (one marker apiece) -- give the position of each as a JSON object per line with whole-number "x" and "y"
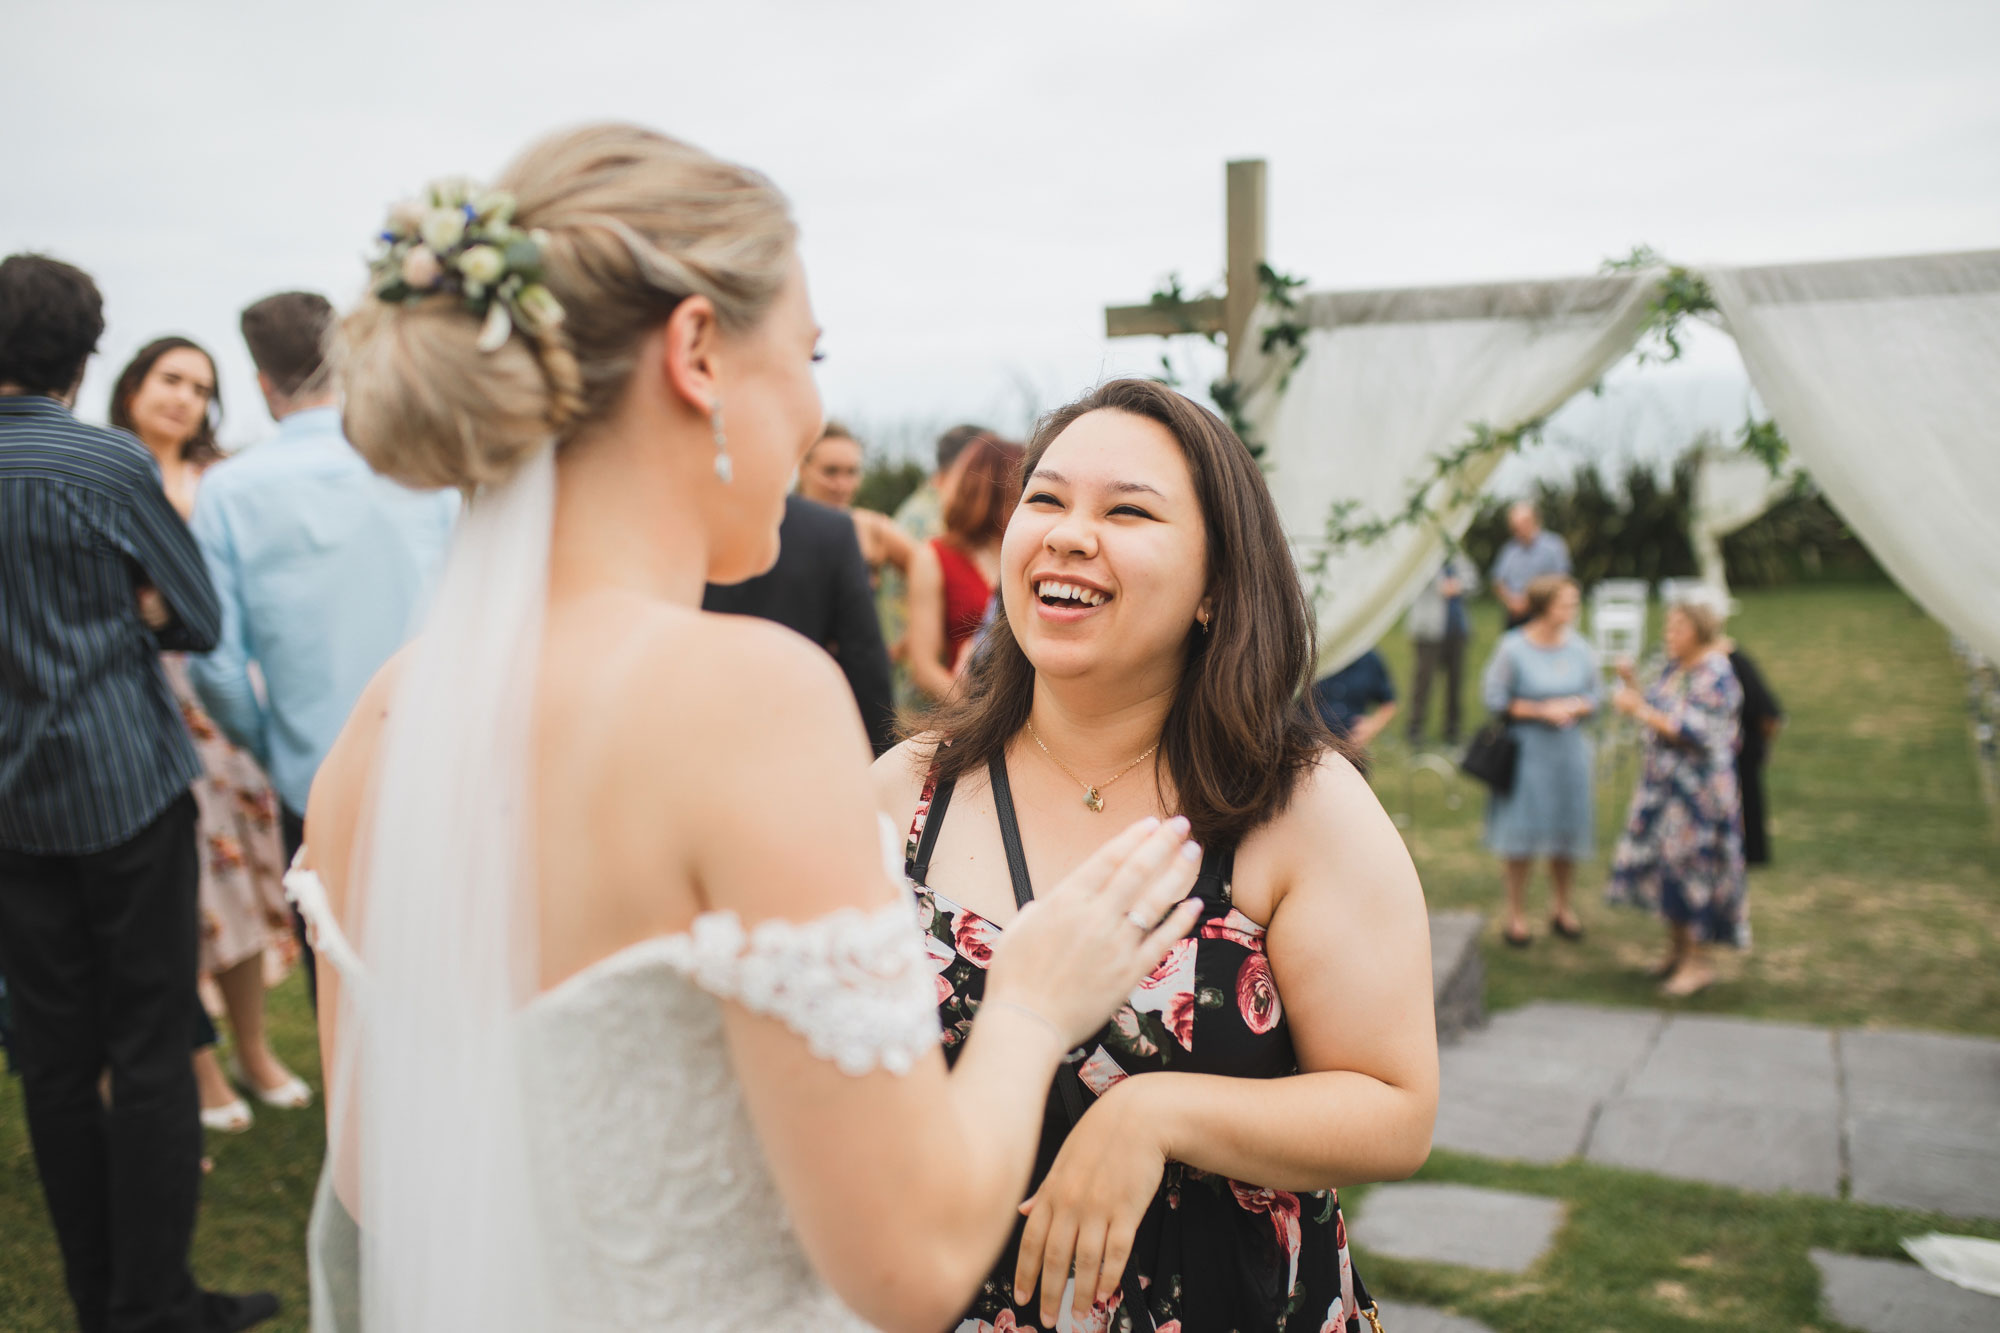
{"x": 1230, "y": 314}
{"x": 1245, "y": 232}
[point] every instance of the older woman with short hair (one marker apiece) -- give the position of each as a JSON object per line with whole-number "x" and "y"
{"x": 1681, "y": 854}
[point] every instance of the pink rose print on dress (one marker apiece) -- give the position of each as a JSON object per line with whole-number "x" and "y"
{"x": 1169, "y": 992}
{"x": 940, "y": 956}
{"x": 1126, "y": 1022}
{"x": 975, "y": 937}
{"x": 1257, "y": 995}
{"x": 1336, "y": 1317}
{"x": 1236, "y": 928}
{"x": 1006, "y": 1323}
{"x": 1100, "y": 1073}
{"x": 1284, "y": 1212}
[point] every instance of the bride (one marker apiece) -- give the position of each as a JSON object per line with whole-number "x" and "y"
{"x": 627, "y": 1025}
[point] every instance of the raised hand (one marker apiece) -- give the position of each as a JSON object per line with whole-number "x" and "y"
{"x": 1074, "y": 954}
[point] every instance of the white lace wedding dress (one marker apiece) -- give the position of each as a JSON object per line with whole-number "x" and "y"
{"x": 660, "y": 1213}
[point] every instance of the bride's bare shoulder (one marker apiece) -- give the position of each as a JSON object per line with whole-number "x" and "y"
{"x": 738, "y": 680}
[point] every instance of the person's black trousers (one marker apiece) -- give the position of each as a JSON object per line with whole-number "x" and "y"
{"x": 100, "y": 953}
{"x": 1430, "y": 654}
{"x": 292, "y": 827}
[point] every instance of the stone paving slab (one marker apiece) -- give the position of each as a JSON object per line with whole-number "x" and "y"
{"x": 1527, "y": 1085}
{"x": 1763, "y": 1149}
{"x": 1885, "y": 1296}
{"x": 1741, "y": 1062}
{"x": 1923, "y": 1120}
{"x": 1923, "y": 1076}
{"x": 1459, "y": 1224}
{"x": 1400, "y": 1318}
{"x": 1541, "y": 1124}
{"x": 1915, "y": 1164}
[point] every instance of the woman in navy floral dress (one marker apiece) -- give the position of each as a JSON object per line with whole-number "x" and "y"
{"x": 1681, "y": 854}
{"x": 1190, "y": 1153}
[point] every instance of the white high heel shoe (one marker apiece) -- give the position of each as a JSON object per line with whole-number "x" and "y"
{"x": 228, "y": 1118}
{"x": 291, "y": 1095}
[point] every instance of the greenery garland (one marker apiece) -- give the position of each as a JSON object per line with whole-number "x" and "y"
{"x": 1681, "y": 294}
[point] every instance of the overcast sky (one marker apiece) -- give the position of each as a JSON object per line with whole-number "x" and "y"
{"x": 975, "y": 182}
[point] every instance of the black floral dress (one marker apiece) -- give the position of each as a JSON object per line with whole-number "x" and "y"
{"x": 1211, "y": 1254}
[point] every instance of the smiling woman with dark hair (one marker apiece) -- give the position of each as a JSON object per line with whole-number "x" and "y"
{"x": 1149, "y": 654}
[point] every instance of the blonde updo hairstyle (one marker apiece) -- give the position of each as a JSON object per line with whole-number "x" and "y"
{"x": 635, "y": 222}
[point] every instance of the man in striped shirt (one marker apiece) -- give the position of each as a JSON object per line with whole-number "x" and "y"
{"x": 98, "y": 869}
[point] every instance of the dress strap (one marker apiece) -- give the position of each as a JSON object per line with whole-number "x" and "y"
{"x": 1010, "y": 829}
{"x": 924, "y": 826}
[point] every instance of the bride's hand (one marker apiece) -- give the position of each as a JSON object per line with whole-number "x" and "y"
{"x": 1073, "y": 955}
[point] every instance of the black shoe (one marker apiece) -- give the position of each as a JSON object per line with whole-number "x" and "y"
{"x": 1520, "y": 941}
{"x": 1568, "y": 932}
{"x": 230, "y": 1312}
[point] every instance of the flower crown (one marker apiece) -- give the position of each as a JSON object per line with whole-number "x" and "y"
{"x": 461, "y": 239}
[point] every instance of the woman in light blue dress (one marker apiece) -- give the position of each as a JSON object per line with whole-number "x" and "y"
{"x": 1543, "y": 679}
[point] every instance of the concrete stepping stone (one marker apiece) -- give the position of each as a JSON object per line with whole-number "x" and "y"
{"x": 1751, "y": 1105}
{"x": 1458, "y": 1224}
{"x": 1527, "y": 1086}
{"x": 1923, "y": 1120}
{"x": 1458, "y": 972}
{"x": 1400, "y": 1318}
{"x": 1885, "y": 1296}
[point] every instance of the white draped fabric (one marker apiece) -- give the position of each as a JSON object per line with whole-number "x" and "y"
{"x": 1732, "y": 490}
{"x": 1884, "y": 375}
{"x": 1391, "y": 379}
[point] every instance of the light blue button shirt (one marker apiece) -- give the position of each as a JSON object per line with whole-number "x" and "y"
{"x": 323, "y": 569}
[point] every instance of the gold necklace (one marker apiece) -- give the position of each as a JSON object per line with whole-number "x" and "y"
{"x": 1092, "y": 796}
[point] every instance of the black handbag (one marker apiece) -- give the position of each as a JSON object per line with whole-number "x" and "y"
{"x": 1492, "y": 756}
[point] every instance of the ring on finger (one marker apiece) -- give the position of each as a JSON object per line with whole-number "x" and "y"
{"x": 1139, "y": 919}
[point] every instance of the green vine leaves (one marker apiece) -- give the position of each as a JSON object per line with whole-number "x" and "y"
{"x": 1442, "y": 487}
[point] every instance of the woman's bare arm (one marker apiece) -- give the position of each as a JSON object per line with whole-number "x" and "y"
{"x": 926, "y": 625}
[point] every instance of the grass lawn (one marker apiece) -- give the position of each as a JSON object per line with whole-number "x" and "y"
{"x": 1883, "y": 909}
{"x": 1882, "y": 905}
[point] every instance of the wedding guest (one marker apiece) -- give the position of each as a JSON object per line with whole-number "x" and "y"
{"x": 819, "y": 588}
{"x": 1543, "y": 679}
{"x": 167, "y": 396}
{"x": 714, "y": 1096}
{"x": 1358, "y": 700}
{"x": 1531, "y": 551}
{"x": 1439, "y": 627}
{"x": 1189, "y": 1158}
{"x": 98, "y": 862}
{"x": 1763, "y": 718}
{"x": 952, "y": 575}
{"x": 830, "y": 474}
{"x": 322, "y": 566}
{"x": 1681, "y": 853}
{"x": 921, "y": 517}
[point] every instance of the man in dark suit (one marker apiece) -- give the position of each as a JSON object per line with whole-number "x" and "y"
{"x": 820, "y": 588}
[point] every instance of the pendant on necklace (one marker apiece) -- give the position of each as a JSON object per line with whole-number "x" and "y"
{"x": 1093, "y": 800}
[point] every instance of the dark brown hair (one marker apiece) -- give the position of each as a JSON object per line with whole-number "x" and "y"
{"x": 287, "y": 335}
{"x": 1237, "y": 738}
{"x": 1541, "y": 592}
{"x": 201, "y": 448}
{"x": 51, "y": 317}
{"x": 983, "y": 498}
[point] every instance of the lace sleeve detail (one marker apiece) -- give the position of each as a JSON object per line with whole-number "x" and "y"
{"x": 305, "y": 892}
{"x": 854, "y": 984}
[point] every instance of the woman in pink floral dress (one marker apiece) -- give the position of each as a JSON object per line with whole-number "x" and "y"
{"x": 1150, "y": 653}
{"x": 167, "y": 397}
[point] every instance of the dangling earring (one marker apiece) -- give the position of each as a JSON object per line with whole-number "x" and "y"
{"x": 724, "y": 470}
{"x": 1203, "y": 622}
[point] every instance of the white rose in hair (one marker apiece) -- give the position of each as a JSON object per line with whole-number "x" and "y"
{"x": 539, "y": 308}
{"x": 421, "y": 268}
{"x": 443, "y": 228}
{"x": 482, "y": 264}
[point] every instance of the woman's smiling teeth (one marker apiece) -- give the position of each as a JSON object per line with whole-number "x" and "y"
{"x": 1049, "y": 590}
